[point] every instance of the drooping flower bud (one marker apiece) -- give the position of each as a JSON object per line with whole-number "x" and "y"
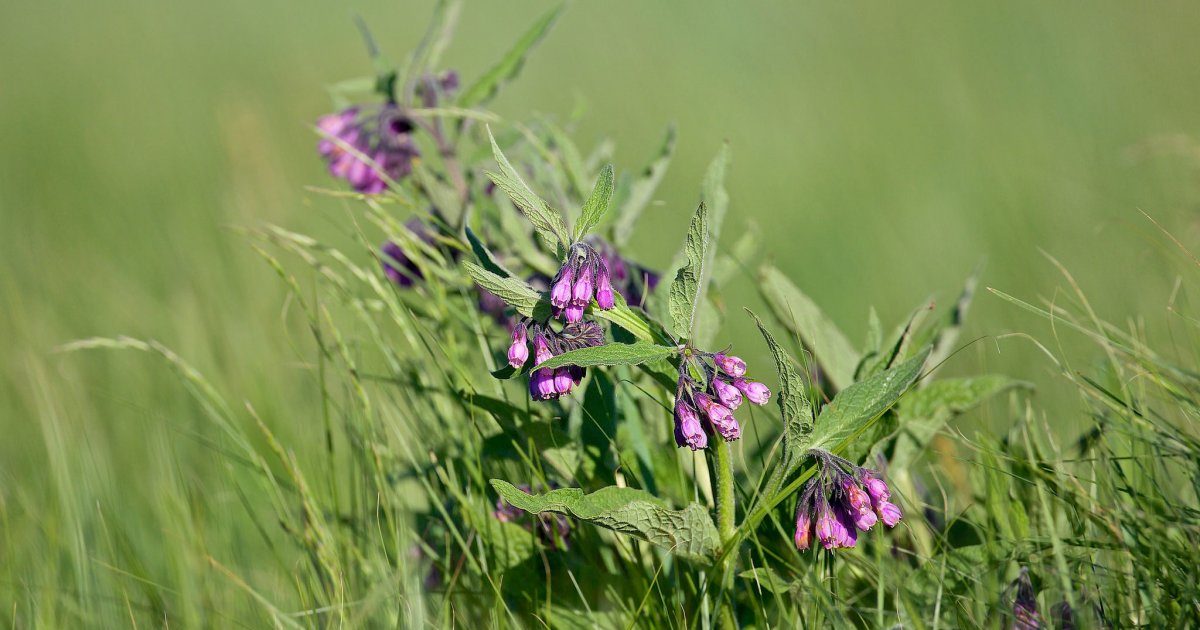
{"x": 720, "y": 416}
{"x": 688, "y": 430}
{"x": 541, "y": 349}
{"x": 889, "y": 513}
{"x": 804, "y": 527}
{"x": 573, "y": 313}
{"x": 858, "y": 504}
{"x": 878, "y": 489}
{"x": 731, "y": 365}
{"x": 755, "y": 392}
{"x": 560, "y": 293}
{"x": 604, "y": 291}
{"x": 518, "y": 352}
{"x": 541, "y": 385}
{"x": 563, "y": 381}
{"x": 729, "y": 395}
{"x": 581, "y": 294}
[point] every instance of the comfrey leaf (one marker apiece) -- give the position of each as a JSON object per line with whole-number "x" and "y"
{"x": 689, "y": 532}
{"x": 514, "y": 292}
{"x": 488, "y": 85}
{"x": 548, "y": 223}
{"x": 924, "y": 412}
{"x": 793, "y": 401}
{"x": 716, "y": 198}
{"x": 642, "y": 190}
{"x": 804, "y": 318}
{"x": 611, "y": 354}
{"x": 685, "y": 290}
{"x": 597, "y": 204}
{"x": 485, "y": 256}
{"x": 853, "y": 410}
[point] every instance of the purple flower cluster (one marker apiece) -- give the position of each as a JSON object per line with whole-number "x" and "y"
{"x": 839, "y": 501}
{"x": 700, "y": 410}
{"x": 548, "y": 384}
{"x": 552, "y": 529}
{"x": 397, "y": 265}
{"x": 634, "y": 281}
{"x": 1025, "y": 608}
{"x": 368, "y": 147}
{"x": 582, "y": 277}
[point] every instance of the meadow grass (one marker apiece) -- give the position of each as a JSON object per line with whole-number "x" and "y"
{"x": 313, "y": 447}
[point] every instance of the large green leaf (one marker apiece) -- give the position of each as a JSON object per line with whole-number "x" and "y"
{"x": 486, "y": 87}
{"x": 685, "y": 290}
{"x": 923, "y": 412}
{"x": 688, "y": 532}
{"x": 804, "y": 318}
{"x": 794, "y": 407}
{"x": 548, "y": 223}
{"x": 642, "y": 190}
{"x": 612, "y": 354}
{"x": 853, "y": 410}
{"x": 596, "y": 204}
{"x": 486, "y": 259}
{"x": 516, "y": 293}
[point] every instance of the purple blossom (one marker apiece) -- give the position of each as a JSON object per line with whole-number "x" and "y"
{"x": 398, "y": 266}
{"x": 729, "y": 395}
{"x": 581, "y": 278}
{"x": 688, "y": 430}
{"x": 369, "y": 147}
{"x": 1025, "y": 610}
{"x": 755, "y": 392}
{"x": 720, "y": 417}
{"x": 836, "y": 506}
{"x": 518, "y": 352}
{"x": 731, "y": 365}
{"x": 548, "y": 384}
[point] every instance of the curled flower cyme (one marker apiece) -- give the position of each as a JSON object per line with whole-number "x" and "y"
{"x": 548, "y": 342}
{"x": 368, "y": 146}
{"x": 583, "y": 277}
{"x": 706, "y": 386}
{"x": 839, "y": 501}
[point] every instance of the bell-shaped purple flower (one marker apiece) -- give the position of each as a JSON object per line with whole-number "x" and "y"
{"x": 878, "y": 489}
{"x": 563, "y": 381}
{"x": 573, "y": 313}
{"x": 581, "y": 293}
{"x": 888, "y": 512}
{"x": 729, "y": 395}
{"x": 518, "y": 352}
{"x": 720, "y": 416}
{"x": 731, "y": 365}
{"x": 541, "y": 385}
{"x": 541, "y": 349}
{"x": 804, "y": 527}
{"x": 755, "y": 392}
{"x": 858, "y": 504}
{"x": 560, "y": 291}
{"x": 604, "y": 291}
{"x": 688, "y": 430}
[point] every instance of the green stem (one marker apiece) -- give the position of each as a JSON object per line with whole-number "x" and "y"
{"x": 726, "y": 521}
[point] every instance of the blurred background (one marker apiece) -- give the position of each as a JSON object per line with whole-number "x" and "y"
{"x": 883, "y": 149}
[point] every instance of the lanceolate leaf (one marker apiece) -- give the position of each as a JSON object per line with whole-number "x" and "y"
{"x": 716, "y": 198}
{"x": 546, "y": 221}
{"x": 597, "y": 204}
{"x": 514, "y": 292}
{"x": 793, "y": 401}
{"x": 804, "y": 318}
{"x": 611, "y": 354}
{"x": 853, "y": 410}
{"x": 689, "y": 532}
{"x": 923, "y": 412}
{"x": 485, "y": 257}
{"x": 685, "y": 290}
{"x": 486, "y": 87}
{"x": 642, "y": 190}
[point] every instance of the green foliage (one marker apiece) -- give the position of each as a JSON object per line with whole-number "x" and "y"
{"x": 800, "y": 315}
{"x": 612, "y": 354}
{"x": 688, "y": 532}
{"x": 596, "y": 204}
{"x": 685, "y": 289}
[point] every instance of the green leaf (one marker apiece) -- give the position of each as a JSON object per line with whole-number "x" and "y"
{"x": 714, "y": 195}
{"x": 642, "y": 190}
{"x": 923, "y": 412}
{"x": 516, "y": 293}
{"x": 947, "y": 335}
{"x": 689, "y": 532}
{"x": 854, "y": 409}
{"x": 804, "y": 318}
{"x": 597, "y": 204}
{"x": 485, "y": 257}
{"x": 794, "y": 407}
{"x": 685, "y": 290}
{"x": 548, "y": 223}
{"x": 611, "y": 354}
{"x": 487, "y": 86}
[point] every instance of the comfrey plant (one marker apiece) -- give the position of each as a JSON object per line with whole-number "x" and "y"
{"x": 512, "y": 279}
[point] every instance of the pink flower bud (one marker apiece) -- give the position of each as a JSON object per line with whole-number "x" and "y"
{"x": 804, "y": 528}
{"x": 573, "y": 313}
{"x": 889, "y": 513}
{"x": 604, "y": 293}
{"x": 560, "y": 293}
{"x": 563, "y": 381}
{"x": 731, "y": 365}
{"x": 688, "y": 430}
{"x": 729, "y": 395}
{"x": 582, "y": 292}
{"x": 755, "y": 392}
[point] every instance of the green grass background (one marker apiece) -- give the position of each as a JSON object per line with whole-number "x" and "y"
{"x": 883, "y": 149}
